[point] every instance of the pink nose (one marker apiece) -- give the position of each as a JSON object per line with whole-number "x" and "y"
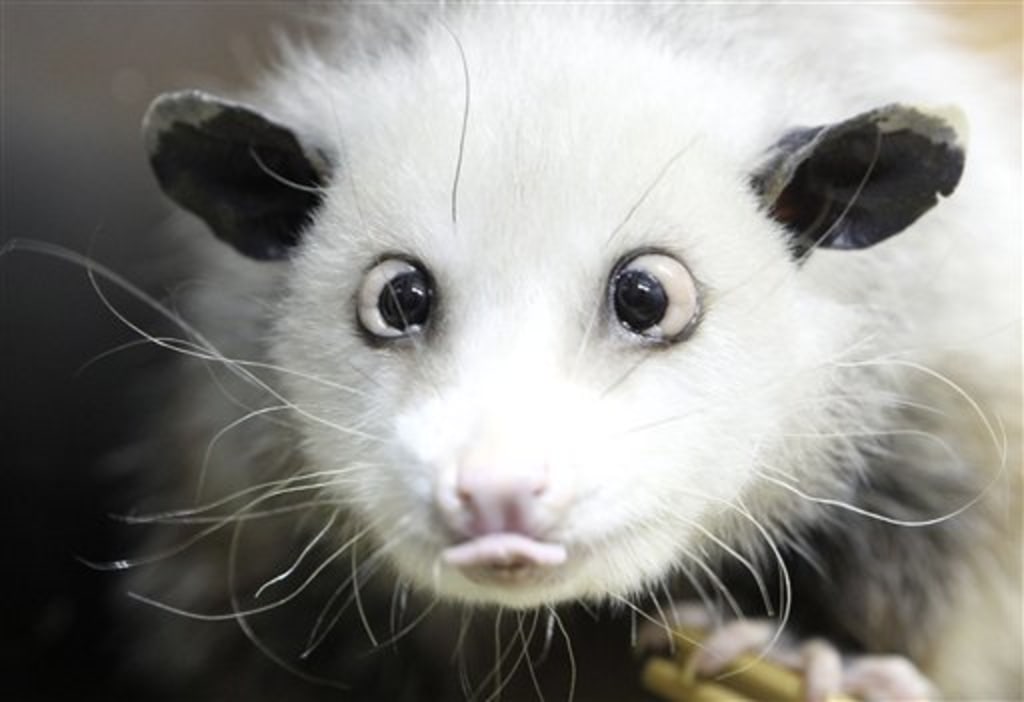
{"x": 501, "y": 498}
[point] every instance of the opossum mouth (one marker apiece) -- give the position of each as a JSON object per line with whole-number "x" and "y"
{"x": 505, "y": 558}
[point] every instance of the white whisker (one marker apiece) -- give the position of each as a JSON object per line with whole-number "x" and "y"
{"x": 254, "y": 610}
{"x": 284, "y": 575}
{"x": 397, "y": 636}
{"x": 313, "y": 189}
{"x": 172, "y": 515}
{"x": 717, "y": 583}
{"x": 240, "y": 618}
{"x": 353, "y": 557}
{"x": 569, "y": 652}
{"x": 323, "y": 626}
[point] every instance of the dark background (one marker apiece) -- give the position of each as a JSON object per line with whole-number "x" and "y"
{"x": 75, "y": 79}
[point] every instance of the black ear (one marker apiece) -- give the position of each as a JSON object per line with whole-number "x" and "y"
{"x": 250, "y": 179}
{"x": 855, "y": 183}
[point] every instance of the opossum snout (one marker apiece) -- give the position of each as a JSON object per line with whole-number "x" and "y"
{"x": 500, "y": 498}
{"x": 499, "y": 503}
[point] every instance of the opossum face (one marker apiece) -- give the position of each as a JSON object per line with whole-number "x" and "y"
{"x": 542, "y": 406}
{"x": 547, "y": 356}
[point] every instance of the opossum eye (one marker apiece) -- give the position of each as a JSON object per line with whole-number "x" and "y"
{"x": 654, "y": 296}
{"x": 395, "y": 298}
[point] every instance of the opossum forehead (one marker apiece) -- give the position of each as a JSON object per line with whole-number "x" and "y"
{"x": 549, "y": 149}
{"x": 608, "y": 213}
{"x": 574, "y": 186}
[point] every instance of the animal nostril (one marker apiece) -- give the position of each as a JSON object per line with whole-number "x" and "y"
{"x": 500, "y": 498}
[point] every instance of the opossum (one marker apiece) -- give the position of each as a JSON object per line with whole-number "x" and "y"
{"x": 516, "y": 311}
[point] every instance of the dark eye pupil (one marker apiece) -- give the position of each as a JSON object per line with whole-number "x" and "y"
{"x": 640, "y": 300}
{"x": 405, "y": 301}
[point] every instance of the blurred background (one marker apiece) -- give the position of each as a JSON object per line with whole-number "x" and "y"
{"x": 75, "y": 80}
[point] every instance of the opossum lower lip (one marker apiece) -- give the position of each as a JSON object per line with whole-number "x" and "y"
{"x": 504, "y": 557}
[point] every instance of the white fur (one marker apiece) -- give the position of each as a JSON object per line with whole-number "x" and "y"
{"x": 574, "y": 112}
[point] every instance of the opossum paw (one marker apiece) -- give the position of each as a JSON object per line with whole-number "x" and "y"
{"x": 655, "y": 634}
{"x": 826, "y": 672}
{"x": 725, "y": 640}
{"x": 885, "y": 678}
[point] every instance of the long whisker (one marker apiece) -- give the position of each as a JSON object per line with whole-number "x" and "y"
{"x": 503, "y": 681}
{"x": 832, "y": 361}
{"x": 255, "y": 610}
{"x": 526, "y": 640}
{"x": 549, "y": 637}
{"x": 465, "y": 122}
{"x": 314, "y": 189}
{"x": 284, "y": 575}
{"x": 459, "y": 653}
{"x": 185, "y": 347}
{"x": 712, "y": 608}
{"x": 871, "y": 433}
{"x": 648, "y": 190}
{"x": 746, "y": 563}
{"x": 890, "y": 400}
{"x": 240, "y": 618}
{"x": 998, "y": 439}
{"x": 134, "y": 343}
{"x": 248, "y": 516}
{"x": 803, "y": 256}
{"x": 399, "y": 604}
{"x": 877, "y": 516}
{"x": 216, "y": 526}
{"x": 397, "y": 636}
{"x": 661, "y": 614}
{"x": 608, "y": 389}
{"x": 963, "y": 394}
{"x": 569, "y": 653}
{"x": 634, "y": 636}
{"x": 854, "y": 199}
{"x": 663, "y": 625}
{"x": 717, "y": 582}
{"x": 211, "y": 368}
{"x": 500, "y": 654}
{"x": 171, "y": 515}
{"x": 665, "y": 590}
{"x": 358, "y": 599}
{"x": 323, "y": 626}
{"x": 94, "y": 269}
{"x": 224, "y": 431}
{"x": 585, "y": 340}
{"x": 785, "y": 585}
